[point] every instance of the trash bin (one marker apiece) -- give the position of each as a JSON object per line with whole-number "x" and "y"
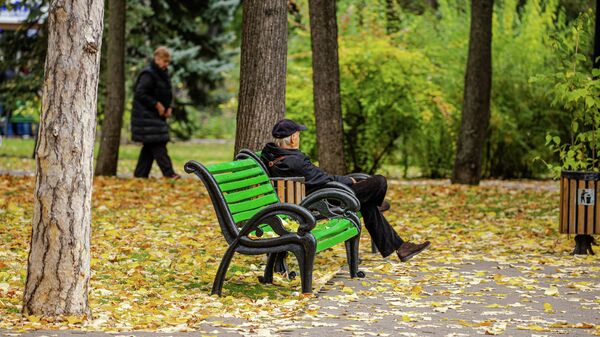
{"x": 21, "y": 126}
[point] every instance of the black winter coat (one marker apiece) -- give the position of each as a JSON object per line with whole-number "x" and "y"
{"x": 153, "y": 85}
{"x": 293, "y": 163}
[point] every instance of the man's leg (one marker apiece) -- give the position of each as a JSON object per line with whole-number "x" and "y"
{"x": 144, "y": 164}
{"x": 382, "y": 233}
{"x": 159, "y": 151}
{"x": 371, "y": 193}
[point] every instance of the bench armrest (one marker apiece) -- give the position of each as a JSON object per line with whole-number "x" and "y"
{"x": 305, "y": 219}
{"x": 320, "y": 201}
{"x": 335, "y": 184}
{"x": 359, "y": 176}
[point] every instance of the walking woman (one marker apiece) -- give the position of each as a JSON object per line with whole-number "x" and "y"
{"x": 151, "y": 107}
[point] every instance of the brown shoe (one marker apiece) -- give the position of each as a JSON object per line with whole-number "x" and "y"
{"x": 408, "y": 249}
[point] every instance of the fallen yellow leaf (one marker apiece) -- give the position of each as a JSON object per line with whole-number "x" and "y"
{"x": 74, "y": 319}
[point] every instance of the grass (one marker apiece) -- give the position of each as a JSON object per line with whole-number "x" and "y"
{"x": 16, "y": 155}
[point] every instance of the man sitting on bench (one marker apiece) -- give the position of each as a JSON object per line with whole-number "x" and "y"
{"x": 284, "y": 159}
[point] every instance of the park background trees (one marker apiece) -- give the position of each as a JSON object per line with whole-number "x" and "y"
{"x": 401, "y": 111}
{"x": 475, "y": 117}
{"x": 406, "y": 109}
{"x": 110, "y": 139}
{"x": 262, "y": 72}
{"x": 326, "y": 86}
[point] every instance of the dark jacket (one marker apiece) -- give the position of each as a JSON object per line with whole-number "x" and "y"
{"x": 293, "y": 163}
{"x": 153, "y": 85}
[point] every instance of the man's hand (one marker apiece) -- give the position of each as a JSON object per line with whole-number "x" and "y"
{"x": 160, "y": 108}
{"x": 169, "y": 112}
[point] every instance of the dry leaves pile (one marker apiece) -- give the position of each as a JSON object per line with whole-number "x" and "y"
{"x": 156, "y": 246}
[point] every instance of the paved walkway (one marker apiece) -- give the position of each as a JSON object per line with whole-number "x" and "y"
{"x": 463, "y": 298}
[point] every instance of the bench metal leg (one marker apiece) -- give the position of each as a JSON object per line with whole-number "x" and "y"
{"x": 280, "y": 265}
{"x": 222, "y": 272}
{"x": 306, "y": 260}
{"x": 267, "y": 278}
{"x": 352, "y": 256}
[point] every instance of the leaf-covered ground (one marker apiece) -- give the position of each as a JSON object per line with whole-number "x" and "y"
{"x": 156, "y": 246}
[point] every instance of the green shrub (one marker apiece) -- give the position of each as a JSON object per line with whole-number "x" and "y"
{"x": 386, "y": 93}
{"x": 575, "y": 88}
{"x": 522, "y": 47}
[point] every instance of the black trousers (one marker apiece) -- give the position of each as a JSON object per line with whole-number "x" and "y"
{"x": 149, "y": 153}
{"x": 370, "y": 193}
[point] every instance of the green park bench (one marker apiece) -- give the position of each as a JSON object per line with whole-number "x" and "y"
{"x": 247, "y": 207}
{"x": 325, "y": 206}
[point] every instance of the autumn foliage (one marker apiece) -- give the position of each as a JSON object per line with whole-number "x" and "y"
{"x": 156, "y": 246}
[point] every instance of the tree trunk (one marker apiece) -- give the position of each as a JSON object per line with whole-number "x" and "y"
{"x": 262, "y": 72}
{"x": 597, "y": 37}
{"x": 108, "y": 154}
{"x": 392, "y": 20}
{"x": 360, "y": 8}
{"x": 58, "y": 269}
{"x": 478, "y": 85}
{"x": 326, "y": 86}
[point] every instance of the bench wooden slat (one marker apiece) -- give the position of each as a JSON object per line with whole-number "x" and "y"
{"x": 289, "y": 192}
{"x": 243, "y": 216}
{"x": 248, "y": 194}
{"x": 246, "y": 183}
{"x": 239, "y": 175}
{"x": 232, "y": 166}
{"x": 280, "y": 186}
{"x": 330, "y": 228}
{"x": 334, "y": 240}
{"x": 259, "y": 202}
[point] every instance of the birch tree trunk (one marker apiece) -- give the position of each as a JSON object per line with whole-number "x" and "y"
{"x": 108, "y": 153}
{"x": 262, "y": 72}
{"x": 58, "y": 270}
{"x": 326, "y": 86}
{"x": 478, "y": 88}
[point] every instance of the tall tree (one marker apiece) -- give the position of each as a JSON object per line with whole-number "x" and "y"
{"x": 58, "y": 270}
{"x": 478, "y": 85}
{"x": 326, "y": 86}
{"x": 392, "y": 18}
{"x": 597, "y": 36}
{"x": 108, "y": 154}
{"x": 262, "y": 71}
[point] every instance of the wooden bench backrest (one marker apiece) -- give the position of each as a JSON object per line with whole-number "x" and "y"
{"x": 245, "y": 186}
